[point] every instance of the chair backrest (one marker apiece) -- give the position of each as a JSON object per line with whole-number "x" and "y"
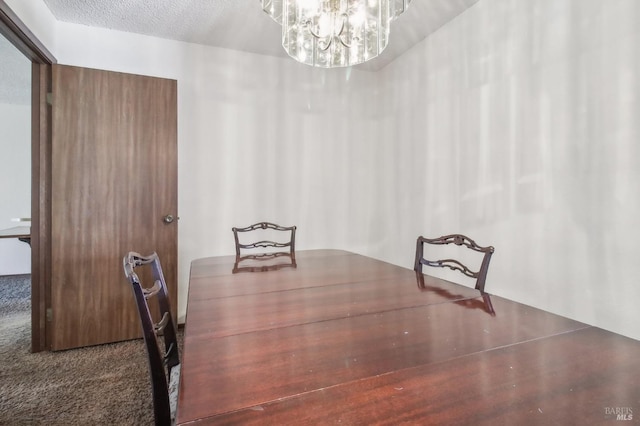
{"x": 456, "y": 265}
{"x": 267, "y": 248}
{"x": 164, "y": 359}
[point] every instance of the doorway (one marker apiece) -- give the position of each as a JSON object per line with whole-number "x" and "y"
{"x": 15, "y": 146}
{"x": 18, "y": 35}
{"x": 82, "y": 207}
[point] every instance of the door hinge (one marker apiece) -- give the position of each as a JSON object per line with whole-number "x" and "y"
{"x": 49, "y": 315}
{"x": 50, "y": 98}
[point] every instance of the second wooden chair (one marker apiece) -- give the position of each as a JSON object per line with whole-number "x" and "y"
{"x": 262, "y": 246}
{"x": 460, "y": 240}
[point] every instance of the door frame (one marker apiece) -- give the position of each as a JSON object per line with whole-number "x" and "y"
{"x": 18, "y": 34}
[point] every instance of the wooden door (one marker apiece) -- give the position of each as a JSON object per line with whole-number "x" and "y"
{"x": 114, "y": 181}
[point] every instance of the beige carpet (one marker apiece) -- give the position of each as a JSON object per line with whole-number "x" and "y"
{"x": 101, "y": 385}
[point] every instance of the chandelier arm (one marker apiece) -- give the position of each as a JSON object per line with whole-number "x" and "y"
{"x": 307, "y": 24}
{"x": 327, "y": 44}
{"x": 345, "y": 18}
{"x": 340, "y": 35}
{"x": 344, "y": 43}
{"x": 323, "y": 42}
{"x": 313, "y": 33}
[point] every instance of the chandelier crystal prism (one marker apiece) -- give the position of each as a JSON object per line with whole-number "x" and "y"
{"x": 334, "y": 33}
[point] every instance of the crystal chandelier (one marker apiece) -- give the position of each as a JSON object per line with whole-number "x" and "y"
{"x": 334, "y": 33}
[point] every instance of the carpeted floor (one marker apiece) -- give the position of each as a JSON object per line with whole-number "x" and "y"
{"x": 100, "y": 385}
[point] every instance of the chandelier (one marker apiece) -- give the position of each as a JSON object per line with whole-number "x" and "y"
{"x": 334, "y": 33}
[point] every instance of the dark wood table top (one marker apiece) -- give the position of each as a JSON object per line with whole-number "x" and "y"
{"x": 347, "y": 339}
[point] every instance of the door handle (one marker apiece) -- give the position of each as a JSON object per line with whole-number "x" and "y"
{"x": 168, "y": 218}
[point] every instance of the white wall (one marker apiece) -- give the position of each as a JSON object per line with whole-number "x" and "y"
{"x": 38, "y": 18}
{"x": 15, "y": 183}
{"x": 260, "y": 138}
{"x": 517, "y": 124}
{"x": 513, "y": 124}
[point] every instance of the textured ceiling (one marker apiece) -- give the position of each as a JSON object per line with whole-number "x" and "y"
{"x": 239, "y": 24}
{"x": 232, "y": 24}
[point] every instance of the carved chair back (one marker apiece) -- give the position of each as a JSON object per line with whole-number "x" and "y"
{"x": 260, "y": 248}
{"x": 164, "y": 358}
{"x": 459, "y": 240}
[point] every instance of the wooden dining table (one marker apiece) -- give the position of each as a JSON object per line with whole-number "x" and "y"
{"x": 22, "y": 233}
{"x": 347, "y": 339}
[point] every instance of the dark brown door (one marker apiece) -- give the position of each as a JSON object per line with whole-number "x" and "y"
{"x": 114, "y": 182}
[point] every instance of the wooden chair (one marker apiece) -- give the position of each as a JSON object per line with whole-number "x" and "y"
{"x": 164, "y": 363}
{"x": 459, "y": 240}
{"x": 269, "y": 249}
